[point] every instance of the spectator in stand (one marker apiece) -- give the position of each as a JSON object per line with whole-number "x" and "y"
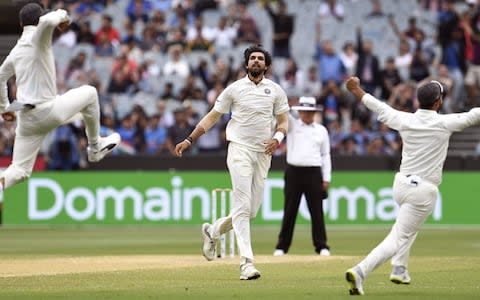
{"x": 176, "y": 64}
{"x": 368, "y": 67}
{"x": 148, "y": 41}
{"x": 292, "y": 78}
{"x": 128, "y": 131}
{"x": 403, "y": 59}
{"x": 180, "y": 129}
{"x": 331, "y": 99}
{"x": 180, "y": 12}
{"x": 390, "y": 77}
{"x": 124, "y": 75}
{"x": 160, "y": 29}
{"x": 349, "y": 146}
{"x": 104, "y": 47}
{"x": 349, "y": 58}
{"x": 247, "y": 32}
{"x": 199, "y": 43}
{"x": 330, "y": 65}
{"x": 131, "y": 49}
{"x": 419, "y": 68}
{"x": 377, "y": 10}
{"x": 155, "y": 136}
{"x": 199, "y": 29}
{"x": 165, "y": 116}
{"x": 416, "y": 39}
{"x": 378, "y": 146}
{"x": 176, "y": 38}
{"x": 169, "y": 92}
{"x": 247, "y": 27}
{"x": 282, "y": 28}
{"x": 139, "y": 10}
{"x": 472, "y": 77}
{"x": 311, "y": 85}
{"x": 112, "y": 34}
{"x": 223, "y": 71}
{"x": 85, "y": 34}
{"x": 87, "y": 8}
{"x": 331, "y": 8}
{"x": 224, "y": 35}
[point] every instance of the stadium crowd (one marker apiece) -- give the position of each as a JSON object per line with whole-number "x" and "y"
{"x": 160, "y": 64}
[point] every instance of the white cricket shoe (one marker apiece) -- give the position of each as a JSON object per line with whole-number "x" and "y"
{"x": 324, "y": 252}
{"x": 400, "y": 275}
{"x": 249, "y": 272}
{"x": 104, "y": 146}
{"x": 279, "y": 252}
{"x": 209, "y": 244}
{"x": 355, "y": 280}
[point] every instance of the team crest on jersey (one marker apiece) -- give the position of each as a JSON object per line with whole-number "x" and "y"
{"x": 267, "y": 91}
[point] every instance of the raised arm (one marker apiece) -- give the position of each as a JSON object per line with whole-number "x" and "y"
{"x": 48, "y": 23}
{"x": 386, "y": 114}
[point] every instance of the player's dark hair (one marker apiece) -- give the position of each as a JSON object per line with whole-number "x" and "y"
{"x": 30, "y": 14}
{"x": 257, "y": 48}
{"x": 429, "y": 93}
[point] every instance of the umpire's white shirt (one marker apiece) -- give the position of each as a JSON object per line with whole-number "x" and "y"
{"x": 425, "y": 135}
{"x": 308, "y": 145}
{"x": 32, "y": 61}
{"x": 253, "y": 108}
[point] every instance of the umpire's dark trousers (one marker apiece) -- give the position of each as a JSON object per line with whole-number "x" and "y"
{"x": 308, "y": 181}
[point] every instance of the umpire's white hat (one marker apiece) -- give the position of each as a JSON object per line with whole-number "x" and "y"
{"x": 307, "y": 103}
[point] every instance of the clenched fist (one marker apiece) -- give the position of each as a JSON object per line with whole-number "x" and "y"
{"x": 353, "y": 83}
{"x": 182, "y": 146}
{"x": 9, "y": 116}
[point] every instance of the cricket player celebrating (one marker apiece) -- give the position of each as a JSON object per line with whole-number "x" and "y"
{"x": 254, "y": 102}
{"x": 425, "y": 136}
{"x": 40, "y": 109}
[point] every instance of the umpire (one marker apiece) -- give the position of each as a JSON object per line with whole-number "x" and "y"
{"x": 308, "y": 172}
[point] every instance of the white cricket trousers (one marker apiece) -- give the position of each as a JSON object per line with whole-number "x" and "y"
{"x": 34, "y": 124}
{"x": 416, "y": 198}
{"x": 248, "y": 171}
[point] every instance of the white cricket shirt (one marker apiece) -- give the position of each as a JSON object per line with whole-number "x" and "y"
{"x": 253, "y": 107}
{"x": 425, "y": 135}
{"x": 32, "y": 61}
{"x": 308, "y": 145}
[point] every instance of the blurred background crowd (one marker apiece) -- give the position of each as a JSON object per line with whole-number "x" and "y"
{"x": 160, "y": 64}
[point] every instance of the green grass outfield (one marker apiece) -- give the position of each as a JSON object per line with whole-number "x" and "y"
{"x": 164, "y": 262}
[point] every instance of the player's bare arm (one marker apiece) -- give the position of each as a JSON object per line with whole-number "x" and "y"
{"x": 203, "y": 126}
{"x": 280, "y": 133}
{"x": 353, "y": 85}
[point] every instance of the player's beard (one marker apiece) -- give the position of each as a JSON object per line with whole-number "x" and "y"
{"x": 255, "y": 72}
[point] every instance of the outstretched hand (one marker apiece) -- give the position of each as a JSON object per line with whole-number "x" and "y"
{"x": 9, "y": 116}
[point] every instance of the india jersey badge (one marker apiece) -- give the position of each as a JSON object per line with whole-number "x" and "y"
{"x": 267, "y": 91}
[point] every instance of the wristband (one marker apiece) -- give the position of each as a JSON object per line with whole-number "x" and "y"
{"x": 279, "y": 136}
{"x": 189, "y": 140}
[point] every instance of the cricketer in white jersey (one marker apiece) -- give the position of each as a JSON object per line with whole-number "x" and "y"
{"x": 255, "y": 102}
{"x": 40, "y": 109}
{"x": 425, "y": 135}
